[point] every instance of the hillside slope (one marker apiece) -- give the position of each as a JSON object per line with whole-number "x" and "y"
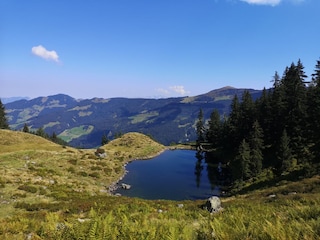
{"x": 82, "y": 123}
{"x": 33, "y": 169}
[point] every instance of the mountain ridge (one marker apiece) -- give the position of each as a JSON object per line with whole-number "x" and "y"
{"x": 83, "y": 122}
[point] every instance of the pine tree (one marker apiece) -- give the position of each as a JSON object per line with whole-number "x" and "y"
{"x": 313, "y": 125}
{"x": 256, "y": 147}
{"x": 247, "y": 115}
{"x": 214, "y": 130}
{"x": 296, "y": 109}
{"x": 25, "y": 128}
{"x": 232, "y": 125}
{"x": 200, "y": 128}
{"x": 104, "y": 139}
{"x": 3, "y": 120}
{"x": 284, "y": 153}
{"x": 241, "y": 164}
{"x": 40, "y": 132}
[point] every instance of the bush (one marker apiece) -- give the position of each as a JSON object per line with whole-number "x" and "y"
{"x": 28, "y": 188}
{"x": 94, "y": 175}
{"x": 83, "y": 174}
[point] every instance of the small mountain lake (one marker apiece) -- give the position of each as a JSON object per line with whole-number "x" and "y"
{"x": 173, "y": 175}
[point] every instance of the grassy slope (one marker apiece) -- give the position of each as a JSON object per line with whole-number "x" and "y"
{"x": 51, "y": 192}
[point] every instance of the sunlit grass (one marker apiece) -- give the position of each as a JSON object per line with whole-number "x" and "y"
{"x": 51, "y": 192}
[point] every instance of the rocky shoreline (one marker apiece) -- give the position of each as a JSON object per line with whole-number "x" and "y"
{"x": 116, "y": 185}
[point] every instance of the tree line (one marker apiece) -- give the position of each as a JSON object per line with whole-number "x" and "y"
{"x": 40, "y": 131}
{"x": 279, "y": 130}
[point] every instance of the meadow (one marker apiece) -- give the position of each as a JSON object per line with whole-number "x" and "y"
{"x": 52, "y": 192}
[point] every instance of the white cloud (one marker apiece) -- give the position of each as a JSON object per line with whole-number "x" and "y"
{"x": 263, "y": 2}
{"x": 173, "y": 91}
{"x": 178, "y": 89}
{"x": 42, "y": 52}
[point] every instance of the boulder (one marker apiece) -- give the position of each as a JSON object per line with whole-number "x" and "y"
{"x": 125, "y": 186}
{"x": 213, "y": 204}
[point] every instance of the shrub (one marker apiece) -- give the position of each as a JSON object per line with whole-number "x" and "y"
{"x": 94, "y": 174}
{"x": 28, "y": 188}
{"x": 83, "y": 174}
{"x": 73, "y": 161}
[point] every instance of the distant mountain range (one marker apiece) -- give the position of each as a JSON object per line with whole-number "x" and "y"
{"x": 12, "y": 99}
{"x": 82, "y": 123}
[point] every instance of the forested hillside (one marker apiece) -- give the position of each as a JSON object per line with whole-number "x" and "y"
{"x": 280, "y": 131}
{"x": 83, "y": 123}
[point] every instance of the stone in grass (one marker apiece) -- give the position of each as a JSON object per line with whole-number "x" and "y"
{"x": 213, "y": 204}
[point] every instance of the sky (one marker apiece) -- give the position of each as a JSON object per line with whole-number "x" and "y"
{"x": 151, "y": 49}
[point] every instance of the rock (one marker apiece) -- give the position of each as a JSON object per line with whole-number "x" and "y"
{"x": 213, "y": 204}
{"x": 125, "y": 186}
{"x": 101, "y": 153}
{"x": 180, "y": 205}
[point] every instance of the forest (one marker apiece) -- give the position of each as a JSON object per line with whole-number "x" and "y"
{"x": 279, "y": 131}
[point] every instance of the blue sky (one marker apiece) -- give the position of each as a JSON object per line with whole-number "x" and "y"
{"x": 151, "y": 49}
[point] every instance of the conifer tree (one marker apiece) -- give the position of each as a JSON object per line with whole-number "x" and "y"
{"x": 241, "y": 164}
{"x": 232, "y": 125}
{"x": 104, "y": 139}
{"x": 314, "y": 112}
{"x": 256, "y": 147}
{"x": 3, "y": 120}
{"x": 247, "y": 115}
{"x": 25, "y": 128}
{"x": 200, "y": 127}
{"x": 284, "y": 153}
{"x": 214, "y": 129}
{"x": 295, "y": 108}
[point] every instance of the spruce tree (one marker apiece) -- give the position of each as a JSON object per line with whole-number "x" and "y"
{"x": 25, "y": 128}
{"x": 241, "y": 164}
{"x": 256, "y": 147}
{"x": 104, "y": 139}
{"x": 200, "y": 128}
{"x": 232, "y": 125}
{"x": 314, "y": 112}
{"x": 247, "y": 115}
{"x": 284, "y": 153}
{"x": 296, "y": 109}
{"x": 214, "y": 129}
{"x": 3, "y": 120}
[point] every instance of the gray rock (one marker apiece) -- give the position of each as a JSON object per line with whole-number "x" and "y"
{"x": 213, "y": 204}
{"x": 125, "y": 186}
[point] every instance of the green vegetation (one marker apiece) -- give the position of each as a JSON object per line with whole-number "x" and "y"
{"x": 3, "y": 119}
{"x": 69, "y": 134}
{"x": 278, "y": 131}
{"x": 61, "y": 193}
{"x": 52, "y": 192}
{"x": 143, "y": 117}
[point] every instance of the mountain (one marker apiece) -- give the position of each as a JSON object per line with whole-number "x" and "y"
{"x": 82, "y": 123}
{"x": 12, "y": 99}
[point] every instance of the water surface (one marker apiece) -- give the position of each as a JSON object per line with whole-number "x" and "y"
{"x": 174, "y": 175}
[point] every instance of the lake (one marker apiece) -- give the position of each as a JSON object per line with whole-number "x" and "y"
{"x": 173, "y": 175}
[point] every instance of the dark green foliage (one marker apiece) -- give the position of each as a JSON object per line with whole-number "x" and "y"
{"x": 104, "y": 140}
{"x": 200, "y": 128}
{"x": 253, "y": 136}
{"x": 284, "y": 153}
{"x": 214, "y": 132}
{"x": 241, "y": 164}
{"x": 25, "y": 128}
{"x": 3, "y": 120}
{"x": 256, "y": 144}
{"x": 28, "y": 188}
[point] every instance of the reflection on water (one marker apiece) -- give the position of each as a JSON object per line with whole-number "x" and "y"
{"x": 175, "y": 175}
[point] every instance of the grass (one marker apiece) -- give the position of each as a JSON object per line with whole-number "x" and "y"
{"x": 69, "y": 134}
{"x": 51, "y": 192}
